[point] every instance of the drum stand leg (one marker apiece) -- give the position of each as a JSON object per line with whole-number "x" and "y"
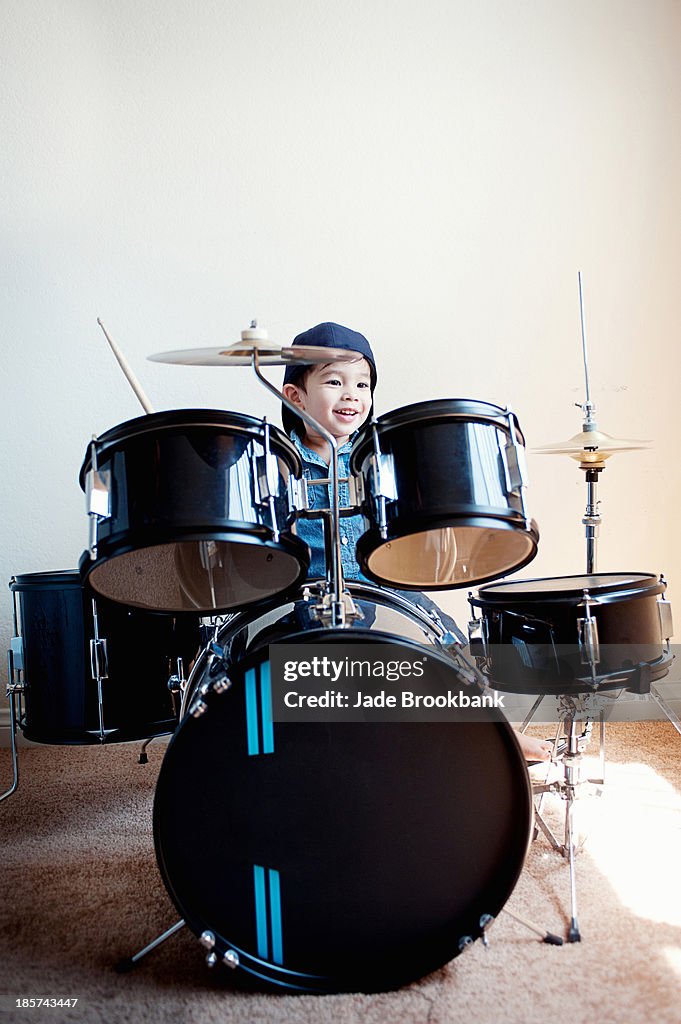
{"x": 13, "y": 740}
{"x": 531, "y": 713}
{"x": 573, "y": 931}
{"x": 143, "y": 759}
{"x": 548, "y": 937}
{"x": 600, "y": 781}
{"x": 567, "y": 789}
{"x": 671, "y": 715}
{"x": 127, "y": 964}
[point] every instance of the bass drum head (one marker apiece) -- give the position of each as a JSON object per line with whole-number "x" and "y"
{"x": 337, "y": 857}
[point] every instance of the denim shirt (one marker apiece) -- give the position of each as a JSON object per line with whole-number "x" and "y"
{"x": 351, "y": 529}
{"x": 312, "y": 530}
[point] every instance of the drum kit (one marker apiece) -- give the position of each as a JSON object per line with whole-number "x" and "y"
{"x": 307, "y": 857}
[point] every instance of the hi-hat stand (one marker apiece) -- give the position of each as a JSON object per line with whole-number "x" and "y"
{"x": 591, "y": 448}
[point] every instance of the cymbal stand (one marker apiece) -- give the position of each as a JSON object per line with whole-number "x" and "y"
{"x": 593, "y": 464}
{"x": 334, "y": 565}
{"x": 592, "y": 517}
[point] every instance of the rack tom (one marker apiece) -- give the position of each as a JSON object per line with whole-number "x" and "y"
{"x": 192, "y": 512}
{"x": 442, "y": 487}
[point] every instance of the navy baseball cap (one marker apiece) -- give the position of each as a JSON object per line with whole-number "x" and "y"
{"x": 326, "y": 335}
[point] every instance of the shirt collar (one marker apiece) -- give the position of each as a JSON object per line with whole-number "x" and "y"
{"x": 312, "y": 456}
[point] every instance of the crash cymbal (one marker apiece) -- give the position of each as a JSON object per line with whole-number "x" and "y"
{"x": 591, "y": 447}
{"x": 241, "y": 353}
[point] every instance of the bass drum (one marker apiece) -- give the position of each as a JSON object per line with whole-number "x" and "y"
{"x": 335, "y": 857}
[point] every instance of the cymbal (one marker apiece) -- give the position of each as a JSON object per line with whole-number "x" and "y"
{"x": 241, "y": 354}
{"x": 591, "y": 447}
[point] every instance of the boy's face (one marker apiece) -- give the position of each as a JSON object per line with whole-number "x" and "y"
{"x": 337, "y": 395}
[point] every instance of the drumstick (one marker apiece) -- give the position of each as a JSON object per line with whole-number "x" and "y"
{"x": 127, "y": 370}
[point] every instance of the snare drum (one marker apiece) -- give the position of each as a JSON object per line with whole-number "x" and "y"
{"x": 56, "y": 630}
{"x": 335, "y": 856}
{"x": 192, "y": 512}
{"x": 544, "y": 635}
{"x": 442, "y": 486}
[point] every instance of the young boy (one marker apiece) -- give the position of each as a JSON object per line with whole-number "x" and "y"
{"x": 339, "y": 396}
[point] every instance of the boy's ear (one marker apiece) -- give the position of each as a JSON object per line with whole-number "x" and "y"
{"x": 294, "y": 393}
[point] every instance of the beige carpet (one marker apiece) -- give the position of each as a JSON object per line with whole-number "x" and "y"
{"x": 80, "y": 889}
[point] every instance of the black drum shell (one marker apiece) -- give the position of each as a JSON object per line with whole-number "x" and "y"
{"x": 391, "y": 840}
{"x": 61, "y": 706}
{"x": 526, "y": 620}
{"x": 182, "y": 477}
{"x": 442, "y": 480}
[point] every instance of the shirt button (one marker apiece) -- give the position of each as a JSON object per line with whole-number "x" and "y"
{"x": 344, "y": 540}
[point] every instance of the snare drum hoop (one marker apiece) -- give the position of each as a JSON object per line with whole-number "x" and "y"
{"x": 633, "y": 585}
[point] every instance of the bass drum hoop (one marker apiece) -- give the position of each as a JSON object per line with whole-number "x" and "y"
{"x": 359, "y": 590}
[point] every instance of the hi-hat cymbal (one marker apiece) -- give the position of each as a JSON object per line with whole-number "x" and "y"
{"x": 591, "y": 447}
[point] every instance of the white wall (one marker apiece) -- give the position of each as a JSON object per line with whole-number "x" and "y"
{"x": 432, "y": 174}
